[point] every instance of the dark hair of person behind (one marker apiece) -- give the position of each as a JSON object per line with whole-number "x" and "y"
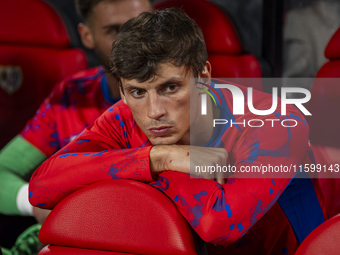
{"x": 167, "y": 36}
{"x": 84, "y": 7}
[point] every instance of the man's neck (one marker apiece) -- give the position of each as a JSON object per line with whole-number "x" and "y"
{"x": 203, "y": 126}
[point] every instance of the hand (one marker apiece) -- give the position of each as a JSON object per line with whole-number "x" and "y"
{"x": 188, "y": 159}
{"x": 40, "y": 214}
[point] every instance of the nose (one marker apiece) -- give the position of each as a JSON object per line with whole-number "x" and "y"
{"x": 156, "y": 107}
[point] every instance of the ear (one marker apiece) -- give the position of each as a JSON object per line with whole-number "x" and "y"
{"x": 205, "y": 76}
{"x": 206, "y": 73}
{"x": 122, "y": 94}
{"x": 86, "y": 35}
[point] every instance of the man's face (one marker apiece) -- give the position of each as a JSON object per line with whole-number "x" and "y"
{"x": 106, "y": 19}
{"x": 161, "y": 106}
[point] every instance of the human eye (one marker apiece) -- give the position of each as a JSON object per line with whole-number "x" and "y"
{"x": 170, "y": 88}
{"x": 137, "y": 93}
{"x": 113, "y": 30}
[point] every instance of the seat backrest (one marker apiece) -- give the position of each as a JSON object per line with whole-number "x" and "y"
{"x": 34, "y": 56}
{"x": 322, "y": 240}
{"x": 225, "y": 52}
{"x": 325, "y": 103}
{"x": 324, "y": 125}
{"x": 117, "y": 216}
{"x": 332, "y": 52}
{"x": 60, "y": 250}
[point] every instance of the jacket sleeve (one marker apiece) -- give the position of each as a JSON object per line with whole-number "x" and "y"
{"x": 17, "y": 160}
{"x": 41, "y": 130}
{"x": 93, "y": 156}
{"x": 27, "y": 151}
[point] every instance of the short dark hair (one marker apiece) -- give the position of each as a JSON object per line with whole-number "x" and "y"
{"x": 85, "y": 7}
{"x": 160, "y": 37}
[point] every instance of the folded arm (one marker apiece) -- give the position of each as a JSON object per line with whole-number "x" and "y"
{"x": 87, "y": 159}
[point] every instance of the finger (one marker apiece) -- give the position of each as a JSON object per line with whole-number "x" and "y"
{"x": 220, "y": 181}
{"x": 219, "y": 177}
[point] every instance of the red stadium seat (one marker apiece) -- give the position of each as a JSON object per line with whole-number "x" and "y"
{"x": 117, "y": 217}
{"x": 224, "y": 47}
{"x": 325, "y": 125}
{"x": 322, "y": 240}
{"x": 34, "y": 56}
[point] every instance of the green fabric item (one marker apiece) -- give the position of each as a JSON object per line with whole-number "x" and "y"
{"x": 18, "y": 159}
{"x": 5, "y": 251}
{"x": 28, "y": 242}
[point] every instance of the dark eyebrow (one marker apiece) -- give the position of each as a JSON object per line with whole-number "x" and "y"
{"x": 112, "y": 26}
{"x": 167, "y": 82}
{"x": 131, "y": 87}
{"x": 171, "y": 81}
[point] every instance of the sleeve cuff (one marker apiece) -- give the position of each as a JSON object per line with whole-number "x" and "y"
{"x": 24, "y": 206}
{"x": 143, "y": 157}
